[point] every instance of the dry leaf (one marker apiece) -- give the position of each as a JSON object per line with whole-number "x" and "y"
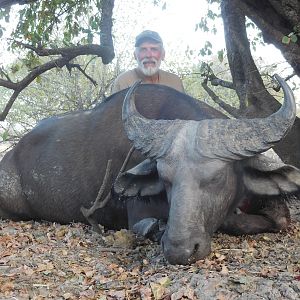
{"x": 165, "y": 281}
{"x": 7, "y": 287}
{"x": 123, "y": 239}
{"x": 67, "y": 296}
{"x": 219, "y": 256}
{"x": 184, "y": 293}
{"x": 224, "y": 270}
{"x": 28, "y": 271}
{"x": 157, "y": 290}
{"x": 146, "y": 293}
{"x": 118, "y": 295}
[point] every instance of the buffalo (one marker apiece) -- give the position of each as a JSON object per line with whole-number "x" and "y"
{"x": 195, "y": 169}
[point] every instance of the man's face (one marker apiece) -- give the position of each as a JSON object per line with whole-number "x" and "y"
{"x": 149, "y": 56}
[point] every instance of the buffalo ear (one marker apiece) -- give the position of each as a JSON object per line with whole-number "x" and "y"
{"x": 141, "y": 180}
{"x": 265, "y": 178}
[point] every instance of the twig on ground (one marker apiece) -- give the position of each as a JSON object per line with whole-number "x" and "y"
{"x": 99, "y": 203}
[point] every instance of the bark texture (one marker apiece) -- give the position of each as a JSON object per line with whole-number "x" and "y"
{"x": 275, "y": 19}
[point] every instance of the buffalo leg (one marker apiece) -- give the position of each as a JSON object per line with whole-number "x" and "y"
{"x": 147, "y": 216}
{"x": 150, "y": 228}
{"x": 269, "y": 216}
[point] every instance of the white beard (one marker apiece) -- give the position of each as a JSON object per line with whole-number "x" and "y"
{"x": 150, "y": 71}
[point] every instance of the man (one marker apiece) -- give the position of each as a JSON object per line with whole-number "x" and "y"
{"x": 149, "y": 52}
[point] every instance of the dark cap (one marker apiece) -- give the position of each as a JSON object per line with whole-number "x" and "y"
{"x": 147, "y": 35}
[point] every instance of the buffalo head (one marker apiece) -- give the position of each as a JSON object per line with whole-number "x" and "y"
{"x": 200, "y": 166}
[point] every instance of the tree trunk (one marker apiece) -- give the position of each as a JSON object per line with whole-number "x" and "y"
{"x": 277, "y": 18}
{"x": 255, "y": 100}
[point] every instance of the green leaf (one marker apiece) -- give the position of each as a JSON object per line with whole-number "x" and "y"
{"x": 5, "y": 135}
{"x": 294, "y": 38}
{"x": 38, "y": 79}
{"x": 285, "y": 40}
{"x": 221, "y": 55}
{"x": 208, "y": 44}
{"x": 15, "y": 68}
{"x": 296, "y": 28}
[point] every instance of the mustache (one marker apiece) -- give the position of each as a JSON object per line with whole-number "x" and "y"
{"x": 149, "y": 60}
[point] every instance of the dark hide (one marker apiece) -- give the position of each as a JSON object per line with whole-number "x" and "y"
{"x": 59, "y": 166}
{"x": 257, "y": 208}
{"x": 209, "y": 169}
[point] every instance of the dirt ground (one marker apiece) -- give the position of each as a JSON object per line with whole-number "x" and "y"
{"x": 53, "y": 261}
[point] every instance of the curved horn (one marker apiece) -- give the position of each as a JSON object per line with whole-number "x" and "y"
{"x": 225, "y": 139}
{"x": 147, "y": 135}
{"x": 237, "y": 139}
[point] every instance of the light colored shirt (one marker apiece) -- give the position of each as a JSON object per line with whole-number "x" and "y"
{"x": 128, "y": 78}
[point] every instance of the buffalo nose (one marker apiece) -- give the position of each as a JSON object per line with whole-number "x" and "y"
{"x": 185, "y": 251}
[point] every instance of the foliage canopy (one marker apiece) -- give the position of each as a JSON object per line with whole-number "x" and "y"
{"x": 87, "y": 22}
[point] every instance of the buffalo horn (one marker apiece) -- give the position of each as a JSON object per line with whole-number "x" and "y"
{"x": 148, "y": 136}
{"x": 236, "y": 139}
{"x": 226, "y": 139}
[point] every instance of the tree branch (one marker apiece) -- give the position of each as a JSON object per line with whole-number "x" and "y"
{"x": 78, "y": 67}
{"x": 9, "y": 104}
{"x": 290, "y": 76}
{"x": 209, "y": 75}
{"x": 254, "y": 98}
{"x": 67, "y": 55}
{"x": 8, "y": 84}
{"x": 21, "y": 85}
{"x": 281, "y": 19}
{"x": 217, "y": 81}
{"x": 5, "y": 74}
{"x": 246, "y": 78}
{"x": 105, "y": 50}
{"x": 228, "y": 108}
{"x": 106, "y": 28}
{"x": 91, "y": 49}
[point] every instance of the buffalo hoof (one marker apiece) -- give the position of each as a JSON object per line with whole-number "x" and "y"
{"x": 150, "y": 228}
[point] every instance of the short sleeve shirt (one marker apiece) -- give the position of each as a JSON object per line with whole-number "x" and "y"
{"x": 128, "y": 78}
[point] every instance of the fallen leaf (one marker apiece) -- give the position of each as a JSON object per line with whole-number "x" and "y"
{"x": 165, "y": 281}
{"x": 146, "y": 293}
{"x": 64, "y": 252}
{"x": 7, "y": 287}
{"x": 123, "y": 238}
{"x": 184, "y": 293}
{"x": 157, "y": 290}
{"x": 67, "y": 296}
{"x": 224, "y": 270}
{"x": 219, "y": 256}
{"x": 28, "y": 271}
{"x": 119, "y": 295}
